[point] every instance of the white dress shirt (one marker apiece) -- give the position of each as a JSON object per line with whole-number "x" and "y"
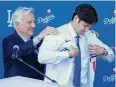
{"x": 59, "y": 66}
{"x": 35, "y": 39}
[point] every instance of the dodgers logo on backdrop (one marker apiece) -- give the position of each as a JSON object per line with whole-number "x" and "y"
{"x": 109, "y": 20}
{"x": 110, "y": 78}
{"x": 9, "y": 21}
{"x": 107, "y": 78}
{"x": 47, "y": 18}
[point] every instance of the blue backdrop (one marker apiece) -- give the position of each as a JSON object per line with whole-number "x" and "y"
{"x": 56, "y": 13}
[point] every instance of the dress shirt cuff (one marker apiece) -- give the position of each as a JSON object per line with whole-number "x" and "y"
{"x": 109, "y": 56}
{"x": 63, "y": 55}
{"x": 35, "y": 41}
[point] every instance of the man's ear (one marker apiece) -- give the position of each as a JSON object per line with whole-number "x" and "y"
{"x": 17, "y": 24}
{"x": 76, "y": 18}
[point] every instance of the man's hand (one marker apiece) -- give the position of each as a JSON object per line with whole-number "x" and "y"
{"x": 73, "y": 52}
{"x": 95, "y": 49}
{"x": 47, "y": 31}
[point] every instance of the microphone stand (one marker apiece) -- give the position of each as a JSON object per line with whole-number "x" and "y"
{"x": 19, "y": 59}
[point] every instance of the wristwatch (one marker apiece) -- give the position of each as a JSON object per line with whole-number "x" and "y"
{"x": 105, "y": 52}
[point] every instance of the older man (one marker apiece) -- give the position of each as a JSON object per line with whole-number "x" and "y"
{"x": 24, "y": 24}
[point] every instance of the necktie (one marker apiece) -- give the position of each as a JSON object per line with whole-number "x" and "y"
{"x": 77, "y": 68}
{"x": 85, "y": 75}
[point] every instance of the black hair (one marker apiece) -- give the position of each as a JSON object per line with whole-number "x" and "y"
{"x": 86, "y": 13}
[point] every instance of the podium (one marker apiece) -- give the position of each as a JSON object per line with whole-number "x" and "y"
{"x": 19, "y": 81}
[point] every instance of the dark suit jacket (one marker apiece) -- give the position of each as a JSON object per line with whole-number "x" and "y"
{"x": 13, "y": 67}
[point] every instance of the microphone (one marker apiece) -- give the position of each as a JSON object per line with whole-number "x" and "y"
{"x": 15, "y": 51}
{"x": 15, "y": 56}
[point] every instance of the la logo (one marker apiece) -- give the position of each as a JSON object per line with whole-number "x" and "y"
{"x": 9, "y": 21}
